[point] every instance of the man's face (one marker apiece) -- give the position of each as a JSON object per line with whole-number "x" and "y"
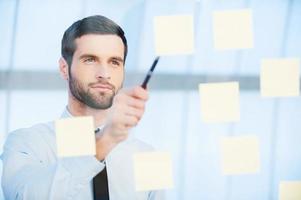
{"x": 97, "y": 69}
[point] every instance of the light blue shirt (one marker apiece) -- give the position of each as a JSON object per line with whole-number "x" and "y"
{"x": 32, "y": 170}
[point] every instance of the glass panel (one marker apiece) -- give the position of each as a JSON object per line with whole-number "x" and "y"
{"x": 40, "y": 29}
{"x": 3, "y": 111}
{"x": 2, "y": 129}
{"x": 293, "y": 46}
{"x": 269, "y": 24}
{"x": 32, "y": 107}
{"x": 6, "y": 27}
{"x": 162, "y": 127}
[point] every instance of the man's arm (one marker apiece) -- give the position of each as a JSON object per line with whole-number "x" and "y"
{"x": 27, "y": 176}
{"x": 127, "y": 110}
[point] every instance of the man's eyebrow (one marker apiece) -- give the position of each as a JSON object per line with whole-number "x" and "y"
{"x": 87, "y": 56}
{"x": 117, "y": 58}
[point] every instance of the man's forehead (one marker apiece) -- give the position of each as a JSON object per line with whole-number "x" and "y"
{"x": 97, "y": 44}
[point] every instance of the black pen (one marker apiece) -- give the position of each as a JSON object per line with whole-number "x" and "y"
{"x": 149, "y": 73}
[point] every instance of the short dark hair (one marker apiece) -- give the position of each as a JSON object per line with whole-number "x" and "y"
{"x": 96, "y": 24}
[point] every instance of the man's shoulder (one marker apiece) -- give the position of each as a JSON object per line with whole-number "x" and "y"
{"x": 35, "y": 129}
{"x": 35, "y": 132}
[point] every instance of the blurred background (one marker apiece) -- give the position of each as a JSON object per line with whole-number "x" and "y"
{"x": 32, "y": 91}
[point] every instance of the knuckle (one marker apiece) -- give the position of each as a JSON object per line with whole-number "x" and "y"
{"x": 137, "y": 90}
{"x": 145, "y": 94}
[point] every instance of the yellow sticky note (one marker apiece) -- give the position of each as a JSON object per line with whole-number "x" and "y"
{"x": 219, "y": 102}
{"x": 290, "y": 190}
{"x": 233, "y": 29}
{"x": 280, "y": 77}
{"x": 174, "y": 34}
{"x": 240, "y": 155}
{"x": 153, "y": 171}
{"x": 75, "y": 136}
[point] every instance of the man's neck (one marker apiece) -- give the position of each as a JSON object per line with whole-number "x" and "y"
{"x": 77, "y": 108}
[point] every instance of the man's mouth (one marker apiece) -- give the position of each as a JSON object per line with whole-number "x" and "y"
{"x": 102, "y": 87}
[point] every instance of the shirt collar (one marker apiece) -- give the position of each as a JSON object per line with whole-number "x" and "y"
{"x": 66, "y": 114}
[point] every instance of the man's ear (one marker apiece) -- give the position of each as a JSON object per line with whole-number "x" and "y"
{"x": 64, "y": 68}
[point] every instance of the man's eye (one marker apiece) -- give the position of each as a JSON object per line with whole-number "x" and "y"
{"x": 115, "y": 63}
{"x": 89, "y": 60}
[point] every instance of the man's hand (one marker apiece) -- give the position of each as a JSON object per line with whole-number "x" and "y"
{"x": 125, "y": 113}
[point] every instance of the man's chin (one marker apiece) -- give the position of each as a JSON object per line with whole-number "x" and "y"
{"x": 101, "y": 104}
{"x": 100, "y": 100}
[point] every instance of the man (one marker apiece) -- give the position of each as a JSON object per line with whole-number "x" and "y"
{"x": 94, "y": 50}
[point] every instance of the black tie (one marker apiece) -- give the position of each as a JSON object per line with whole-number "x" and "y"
{"x": 100, "y": 184}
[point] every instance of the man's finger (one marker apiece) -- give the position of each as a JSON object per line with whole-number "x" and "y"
{"x": 135, "y": 112}
{"x": 137, "y": 92}
{"x": 131, "y": 121}
{"x": 136, "y": 103}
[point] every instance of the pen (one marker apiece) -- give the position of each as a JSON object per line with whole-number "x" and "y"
{"x": 149, "y": 73}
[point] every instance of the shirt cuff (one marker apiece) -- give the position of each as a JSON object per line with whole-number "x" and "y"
{"x": 82, "y": 168}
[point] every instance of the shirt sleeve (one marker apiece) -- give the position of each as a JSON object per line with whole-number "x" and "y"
{"x": 27, "y": 176}
{"x": 156, "y": 195}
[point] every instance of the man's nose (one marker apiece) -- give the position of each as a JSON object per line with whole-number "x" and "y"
{"x": 103, "y": 72}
